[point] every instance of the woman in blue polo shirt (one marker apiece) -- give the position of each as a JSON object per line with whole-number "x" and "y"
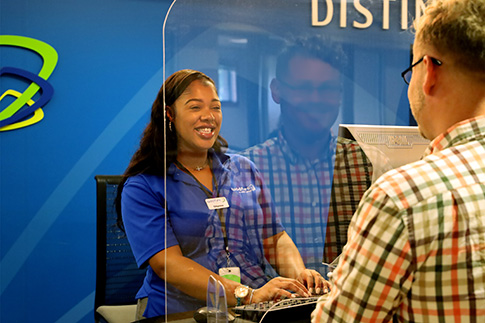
{"x": 191, "y": 211}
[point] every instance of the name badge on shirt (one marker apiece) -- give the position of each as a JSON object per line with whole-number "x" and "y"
{"x": 216, "y": 203}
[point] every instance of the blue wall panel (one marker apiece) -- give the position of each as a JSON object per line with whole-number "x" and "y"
{"x": 107, "y": 76}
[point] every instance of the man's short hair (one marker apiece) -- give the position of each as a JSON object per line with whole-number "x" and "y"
{"x": 456, "y": 28}
{"x": 315, "y": 46}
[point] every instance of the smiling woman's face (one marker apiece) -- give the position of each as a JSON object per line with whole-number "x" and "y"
{"x": 198, "y": 117}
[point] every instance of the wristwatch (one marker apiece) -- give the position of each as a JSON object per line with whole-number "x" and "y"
{"x": 240, "y": 293}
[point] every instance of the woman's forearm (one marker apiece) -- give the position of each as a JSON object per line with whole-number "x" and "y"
{"x": 285, "y": 254}
{"x": 187, "y": 275}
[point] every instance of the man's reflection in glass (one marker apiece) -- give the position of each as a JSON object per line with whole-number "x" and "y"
{"x": 302, "y": 157}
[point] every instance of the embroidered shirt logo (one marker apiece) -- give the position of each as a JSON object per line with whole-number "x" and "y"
{"x": 248, "y": 189}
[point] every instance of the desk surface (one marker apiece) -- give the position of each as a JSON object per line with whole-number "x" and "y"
{"x": 300, "y": 313}
{"x": 186, "y": 317}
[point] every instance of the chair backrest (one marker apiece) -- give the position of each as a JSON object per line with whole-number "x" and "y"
{"x": 118, "y": 278}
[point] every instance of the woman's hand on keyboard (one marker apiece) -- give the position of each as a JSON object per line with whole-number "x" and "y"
{"x": 280, "y": 288}
{"x": 314, "y": 282}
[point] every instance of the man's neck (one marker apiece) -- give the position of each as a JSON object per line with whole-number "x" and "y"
{"x": 310, "y": 149}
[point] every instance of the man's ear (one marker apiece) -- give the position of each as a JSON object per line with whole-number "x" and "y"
{"x": 275, "y": 90}
{"x": 431, "y": 76}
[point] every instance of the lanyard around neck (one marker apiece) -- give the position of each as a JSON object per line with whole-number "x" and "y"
{"x": 210, "y": 195}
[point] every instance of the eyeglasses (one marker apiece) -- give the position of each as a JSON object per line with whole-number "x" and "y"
{"x": 327, "y": 90}
{"x": 406, "y": 75}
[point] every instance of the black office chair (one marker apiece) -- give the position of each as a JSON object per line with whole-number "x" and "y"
{"x": 118, "y": 278}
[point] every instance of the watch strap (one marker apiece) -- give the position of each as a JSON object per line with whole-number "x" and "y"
{"x": 239, "y": 299}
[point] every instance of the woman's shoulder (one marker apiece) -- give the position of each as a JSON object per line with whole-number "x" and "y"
{"x": 144, "y": 180}
{"x": 238, "y": 160}
{"x": 241, "y": 168}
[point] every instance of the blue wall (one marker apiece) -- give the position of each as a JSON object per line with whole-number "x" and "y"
{"x": 108, "y": 73}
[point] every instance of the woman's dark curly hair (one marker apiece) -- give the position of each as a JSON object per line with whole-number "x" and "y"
{"x": 159, "y": 141}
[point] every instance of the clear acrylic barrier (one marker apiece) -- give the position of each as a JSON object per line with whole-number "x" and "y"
{"x": 315, "y": 180}
{"x": 216, "y": 302}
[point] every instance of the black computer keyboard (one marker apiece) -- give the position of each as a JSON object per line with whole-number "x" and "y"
{"x": 288, "y": 310}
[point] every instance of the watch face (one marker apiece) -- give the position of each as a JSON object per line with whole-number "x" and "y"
{"x": 241, "y": 291}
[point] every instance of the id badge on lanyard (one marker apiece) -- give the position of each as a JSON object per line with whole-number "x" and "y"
{"x": 231, "y": 273}
{"x": 218, "y": 203}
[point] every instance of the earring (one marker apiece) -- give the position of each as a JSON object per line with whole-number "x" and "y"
{"x": 170, "y": 125}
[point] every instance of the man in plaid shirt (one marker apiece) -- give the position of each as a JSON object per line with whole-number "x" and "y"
{"x": 416, "y": 246}
{"x": 298, "y": 162}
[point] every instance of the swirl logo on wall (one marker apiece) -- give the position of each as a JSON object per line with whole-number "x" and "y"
{"x": 24, "y": 111}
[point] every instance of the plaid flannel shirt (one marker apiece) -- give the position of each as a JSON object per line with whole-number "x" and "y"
{"x": 416, "y": 243}
{"x": 315, "y": 213}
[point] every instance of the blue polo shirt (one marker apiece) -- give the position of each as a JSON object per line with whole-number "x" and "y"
{"x": 196, "y": 229}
